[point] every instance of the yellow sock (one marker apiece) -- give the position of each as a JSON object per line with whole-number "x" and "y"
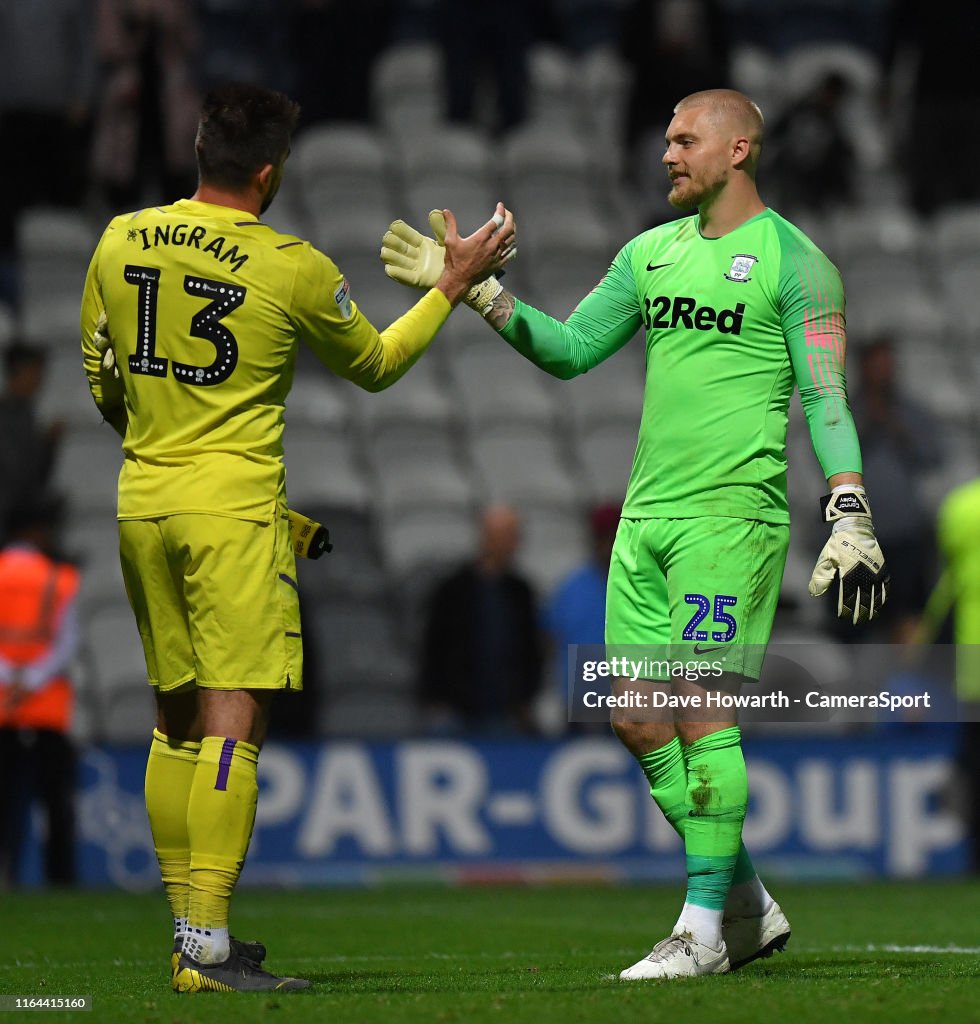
{"x": 169, "y": 773}
{"x": 220, "y": 816}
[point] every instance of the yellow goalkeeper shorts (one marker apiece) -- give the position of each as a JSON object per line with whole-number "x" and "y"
{"x": 215, "y": 600}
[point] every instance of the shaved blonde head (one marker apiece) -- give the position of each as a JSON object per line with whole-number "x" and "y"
{"x": 731, "y": 112}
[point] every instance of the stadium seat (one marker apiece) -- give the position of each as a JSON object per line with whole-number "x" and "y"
{"x": 879, "y": 303}
{"x": 444, "y": 152}
{"x": 496, "y": 385}
{"x": 956, "y": 233}
{"x": 401, "y": 486}
{"x": 611, "y": 392}
{"x": 368, "y": 713}
{"x": 604, "y": 81}
{"x": 93, "y": 542}
{"x": 54, "y": 247}
{"x": 605, "y": 459}
{"x": 523, "y": 466}
{"x": 345, "y": 186}
{"x": 117, "y": 673}
{"x": 65, "y": 394}
{"x": 553, "y": 543}
{"x": 755, "y": 71}
{"x": 945, "y": 389}
{"x": 87, "y": 468}
{"x": 414, "y": 443}
{"x": 407, "y": 88}
{"x": 888, "y": 236}
{"x": 960, "y": 292}
{"x": 127, "y": 716}
{"x": 317, "y": 401}
{"x": 567, "y": 251}
{"x": 420, "y": 397}
{"x": 321, "y": 468}
{"x": 553, "y": 87}
{"x": 338, "y": 159}
{"x": 349, "y": 231}
{"x": 353, "y": 568}
{"x": 357, "y": 646}
{"x": 562, "y": 296}
{"x": 546, "y": 164}
{"x": 426, "y": 540}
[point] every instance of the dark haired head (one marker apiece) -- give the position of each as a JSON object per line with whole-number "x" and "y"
{"x": 19, "y": 354}
{"x": 242, "y": 128}
{"x": 44, "y": 513}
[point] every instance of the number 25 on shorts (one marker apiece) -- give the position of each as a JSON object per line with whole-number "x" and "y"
{"x": 721, "y": 618}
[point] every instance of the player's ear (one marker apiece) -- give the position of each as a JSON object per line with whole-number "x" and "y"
{"x": 741, "y": 151}
{"x": 264, "y": 175}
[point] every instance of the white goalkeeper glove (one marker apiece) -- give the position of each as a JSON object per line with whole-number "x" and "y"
{"x": 851, "y": 556}
{"x": 104, "y": 344}
{"x": 416, "y": 260}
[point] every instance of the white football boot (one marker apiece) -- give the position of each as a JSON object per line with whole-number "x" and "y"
{"x": 678, "y": 956}
{"x": 755, "y": 936}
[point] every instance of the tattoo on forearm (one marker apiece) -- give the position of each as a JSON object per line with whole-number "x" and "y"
{"x": 501, "y": 310}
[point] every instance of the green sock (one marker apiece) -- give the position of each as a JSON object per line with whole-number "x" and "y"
{"x": 718, "y": 795}
{"x": 666, "y": 771}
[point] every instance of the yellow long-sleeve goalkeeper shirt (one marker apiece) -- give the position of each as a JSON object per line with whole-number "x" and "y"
{"x": 206, "y": 305}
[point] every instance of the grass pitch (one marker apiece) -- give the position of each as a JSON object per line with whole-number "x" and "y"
{"x": 882, "y": 952}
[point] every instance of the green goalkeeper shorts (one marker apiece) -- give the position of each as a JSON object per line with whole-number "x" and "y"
{"x": 705, "y": 587}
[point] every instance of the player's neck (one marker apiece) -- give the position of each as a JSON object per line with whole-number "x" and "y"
{"x": 245, "y": 201}
{"x": 730, "y": 209}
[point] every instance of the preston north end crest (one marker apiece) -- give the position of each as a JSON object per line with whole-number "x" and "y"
{"x": 741, "y": 268}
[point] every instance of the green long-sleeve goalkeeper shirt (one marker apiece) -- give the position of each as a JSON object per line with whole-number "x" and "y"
{"x": 731, "y": 324}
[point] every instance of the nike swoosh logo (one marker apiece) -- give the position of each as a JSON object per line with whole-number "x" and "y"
{"x": 657, "y": 266}
{"x": 698, "y": 649}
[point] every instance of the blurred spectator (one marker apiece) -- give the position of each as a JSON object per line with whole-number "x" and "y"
{"x": 38, "y": 641}
{"x": 576, "y": 613}
{"x": 959, "y": 541}
{"x": 583, "y": 25}
{"x": 812, "y": 159}
{"x": 27, "y": 449}
{"x": 673, "y": 48}
{"x": 899, "y": 443}
{"x": 481, "y": 654}
{"x": 46, "y": 85}
{"x": 148, "y": 104}
{"x": 788, "y": 26}
{"x": 945, "y": 99}
{"x": 245, "y": 41}
{"x": 486, "y": 38}
{"x": 338, "y": 88}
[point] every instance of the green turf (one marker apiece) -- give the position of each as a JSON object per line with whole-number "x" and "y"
{"x": 508, "y": 954}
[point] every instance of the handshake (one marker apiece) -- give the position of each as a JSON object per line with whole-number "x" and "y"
{"x": 418, "y": 261}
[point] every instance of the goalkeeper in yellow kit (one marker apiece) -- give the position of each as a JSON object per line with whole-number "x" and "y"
{"x": 205, "y": 305}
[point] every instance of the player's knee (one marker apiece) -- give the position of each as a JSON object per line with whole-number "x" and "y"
{"x": 640, "y": 738}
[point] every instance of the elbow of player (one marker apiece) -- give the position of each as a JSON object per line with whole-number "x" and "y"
{"x": 373, "y": 386}
{"x": 564, "y": 371}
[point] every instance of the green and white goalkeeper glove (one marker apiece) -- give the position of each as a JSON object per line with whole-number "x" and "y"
{"x": 416, "y": 260}
{"x": 104, "y": 345}
{"x": 852, "y": 556}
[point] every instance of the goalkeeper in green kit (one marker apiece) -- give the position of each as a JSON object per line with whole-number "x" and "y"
{"x": 738, "y": 306}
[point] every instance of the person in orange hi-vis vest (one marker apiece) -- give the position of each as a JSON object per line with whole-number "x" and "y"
{"x": 38, "y": 641}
